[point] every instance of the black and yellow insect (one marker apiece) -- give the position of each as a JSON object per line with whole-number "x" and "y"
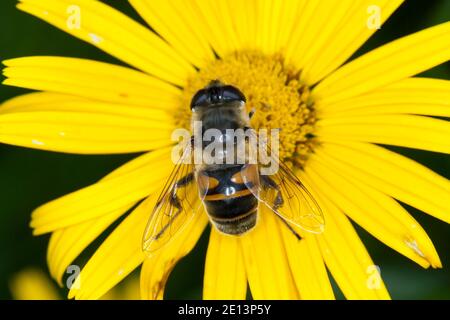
{"x": 231, "y": 193}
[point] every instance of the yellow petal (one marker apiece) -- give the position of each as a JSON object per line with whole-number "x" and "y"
{"x": 177, "y": 22}
{"x": 90, "y": 79}
{"x": 35, "y": 99}
{"x": 318, "y": 21}
{"x": 274, "y": 22}
{"x": 266, "y": 261}
{"x": 344, "y": 253}
{"x": 157, "y": 267}
{"x": 67, "y": 123}
{"x": 397, "y": 60}
{"x": 265, "y": 15}
{"x": 56, "y": 102}
{"x": 410, "y": 96}
{"x": 307, "y": 266}
{"x": 106, "y": 28}
{"x": 128, "y": 290}
{"x": 264, "y": 25}
{"x": 304, "y": 16}
{"x": 215, "y": 21}
{"x": 126, "y": 185}
{"x": 83, "y": 132}
{"x": 392, "y": 174}
{"x": 377, "y": 213}
{"x": 32, "y": 284}
{"x": 245, "y": 21}
{"x": 67, "y": 243}
{"x": 334, "y": 40}
{"x": 282, "y": 24}
{"x": 225, "y": 276}
{"x": 117, "y": 256}
{"x": 397, "y": 130}
{"x": 131, "y": 289}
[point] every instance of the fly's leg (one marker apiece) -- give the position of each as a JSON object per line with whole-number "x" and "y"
{"x": 183, "y": 182}
{"x": 268, "y": 182}
{"x": 251, "y": 113}
{"x": 175, "y": 202}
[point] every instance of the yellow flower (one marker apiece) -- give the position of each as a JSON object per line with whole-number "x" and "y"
{"x": 33, "y": 284}
{"x": 289, "y": 58}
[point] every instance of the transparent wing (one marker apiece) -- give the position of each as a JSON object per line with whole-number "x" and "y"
{"x": 284, "y": 193}
{"x": 178, "y": 202}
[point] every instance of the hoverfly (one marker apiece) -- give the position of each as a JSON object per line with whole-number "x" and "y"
{"x": 230, "y": 193}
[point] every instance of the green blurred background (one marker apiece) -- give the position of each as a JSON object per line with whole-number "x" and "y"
{"x": 29, "y": 178}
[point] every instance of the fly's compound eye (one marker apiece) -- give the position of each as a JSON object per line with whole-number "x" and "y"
{"x": 200, "y": 99}
{"x": 231, "y": 93}
{"x": 216, "y": 95}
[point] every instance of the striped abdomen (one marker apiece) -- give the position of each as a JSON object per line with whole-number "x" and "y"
{"x": 231, "y": 206}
